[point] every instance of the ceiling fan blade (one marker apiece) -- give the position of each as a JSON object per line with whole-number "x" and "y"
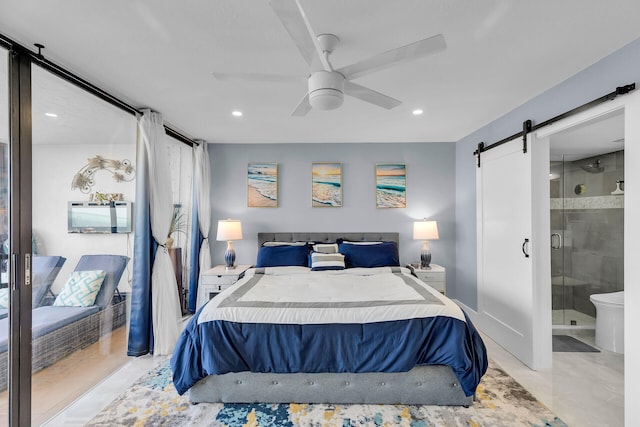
{"x": 299, "y": 28}
{"x": 258, "y": 77}
{"x": 370, "y": 95}
{"x": 394, "y": 57}
{"x": 302, "y": 108}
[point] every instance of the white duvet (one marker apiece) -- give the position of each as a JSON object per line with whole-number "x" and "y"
{"x": 297, "y": 295}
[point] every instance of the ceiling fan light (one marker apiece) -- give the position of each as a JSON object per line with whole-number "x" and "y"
{"x": 326, "y": 99}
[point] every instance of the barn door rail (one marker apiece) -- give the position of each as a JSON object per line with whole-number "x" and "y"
{"x": 528, "y": 126}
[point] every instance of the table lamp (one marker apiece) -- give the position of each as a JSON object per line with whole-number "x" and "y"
{"x": 229, "y": 230}
{"x": 425, "y": 230}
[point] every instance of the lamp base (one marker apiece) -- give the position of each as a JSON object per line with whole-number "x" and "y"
{"x": 229, "y": 256}
{"x": 425, "y": 260}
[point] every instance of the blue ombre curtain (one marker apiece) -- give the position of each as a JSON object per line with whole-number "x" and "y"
{"x": 196, "y": 241}
{"x": 144, "y": 247}
{"x": 201, "y": 254}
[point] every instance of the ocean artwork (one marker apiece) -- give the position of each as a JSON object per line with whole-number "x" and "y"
{"x": 326, "y": 184}
{"x": 391, "y": 185}
{"x": 262, "y": 185}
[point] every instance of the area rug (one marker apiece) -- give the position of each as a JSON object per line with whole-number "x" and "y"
{"x": 567, "y": 343}
{"x": 153, "y": 401}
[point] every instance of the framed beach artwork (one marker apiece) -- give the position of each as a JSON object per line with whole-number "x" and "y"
{"x": 262, "y": 185}
{"x": 326, "y": 185}
{"x": 391, "y": 185}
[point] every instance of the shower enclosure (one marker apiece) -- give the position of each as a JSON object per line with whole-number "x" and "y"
{"x": 587, "y": 234}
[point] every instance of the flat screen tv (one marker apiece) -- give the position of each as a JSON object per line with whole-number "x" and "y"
{"x": 92, "y": 217}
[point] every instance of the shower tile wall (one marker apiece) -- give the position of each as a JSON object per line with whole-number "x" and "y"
{"x": 593, "y": 241}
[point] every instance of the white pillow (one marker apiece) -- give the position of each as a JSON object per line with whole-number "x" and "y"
{"x": 284, "y": 243}
{"x": 81, "y": 289}
{"x": 321, "y": 262}
{"x": 326, "y": 248}
{"x": 362, "y": 243}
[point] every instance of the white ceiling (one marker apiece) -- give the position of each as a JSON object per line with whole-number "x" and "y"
{"x": 599, "y": 136}
{"x": 161, "y": 54}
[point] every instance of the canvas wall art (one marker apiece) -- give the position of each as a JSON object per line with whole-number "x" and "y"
{"x": 326, "y": 185}
{"x": 262, "y": 185}
{"x": 391, "y": 185}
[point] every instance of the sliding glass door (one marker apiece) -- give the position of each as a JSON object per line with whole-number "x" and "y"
{"x": 4, "y": 234}
{"x": 83, "y": 188}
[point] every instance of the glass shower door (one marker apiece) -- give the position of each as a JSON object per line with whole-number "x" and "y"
{"x": 556, "y": 182}
{"x": 587, "y": 234}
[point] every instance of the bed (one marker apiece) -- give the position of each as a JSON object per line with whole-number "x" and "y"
{"x": 399, "y": 342}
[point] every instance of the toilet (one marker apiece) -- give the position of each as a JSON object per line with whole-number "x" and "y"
{"x": 609, "y": 320}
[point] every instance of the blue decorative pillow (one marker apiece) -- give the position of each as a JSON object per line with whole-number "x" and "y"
{"x": 379, "y": 255}
{"x": 322, "y": 262}
{"x": 283, "y": 256}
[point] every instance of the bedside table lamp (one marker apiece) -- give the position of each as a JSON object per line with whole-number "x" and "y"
{"x": 425, "y": 230}
{"x": 229, "y": 230}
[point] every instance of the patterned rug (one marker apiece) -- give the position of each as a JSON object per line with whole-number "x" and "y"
{"x": 153, "y": 401}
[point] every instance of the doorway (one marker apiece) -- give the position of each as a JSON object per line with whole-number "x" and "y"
{"x": 586, "y": 183}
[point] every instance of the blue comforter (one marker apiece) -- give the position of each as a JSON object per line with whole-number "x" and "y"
{"x": 219, "y": 346}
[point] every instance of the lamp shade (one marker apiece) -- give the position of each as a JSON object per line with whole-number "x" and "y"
{"x": 229, "y": 229}
{"x": 425, "y": 230}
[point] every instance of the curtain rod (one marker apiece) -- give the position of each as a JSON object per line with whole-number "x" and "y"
{"x": 78, "y": 81}
{"x": 527, "y": 125}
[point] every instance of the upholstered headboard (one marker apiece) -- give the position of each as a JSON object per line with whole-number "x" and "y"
{"x": 327, "y": 237}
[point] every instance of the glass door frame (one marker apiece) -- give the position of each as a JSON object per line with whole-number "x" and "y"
{"x": 20, "y": 154}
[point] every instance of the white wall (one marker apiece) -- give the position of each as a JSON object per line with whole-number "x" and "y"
{"x": 53, "y": 168}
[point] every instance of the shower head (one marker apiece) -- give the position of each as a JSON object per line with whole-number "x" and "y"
{"x": 593, "y": 167}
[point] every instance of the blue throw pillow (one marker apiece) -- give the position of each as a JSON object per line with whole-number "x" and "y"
{"x": 380, "y": 255}
{"x": 283, "y": 256}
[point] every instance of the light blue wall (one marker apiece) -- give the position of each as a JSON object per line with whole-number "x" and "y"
{"x": 618, "y": 69}
{"x": 430, "y": 193}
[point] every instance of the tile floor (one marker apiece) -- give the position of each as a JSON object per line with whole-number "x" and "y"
{"x": 566, "y": 317}
{"x": 583, "y": 389}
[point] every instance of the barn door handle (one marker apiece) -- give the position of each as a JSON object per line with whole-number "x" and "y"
{"x": 524, "y": 248}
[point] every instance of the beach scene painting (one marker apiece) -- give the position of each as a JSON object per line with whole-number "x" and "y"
{"x": 326, "y": 185}
{"x": 391, "y": 185}
{"x": 262, "y": 185}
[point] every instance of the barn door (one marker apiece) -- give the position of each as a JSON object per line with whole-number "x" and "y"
{"x": 505, "y": 269}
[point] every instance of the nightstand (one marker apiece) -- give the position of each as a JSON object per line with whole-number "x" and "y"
{"x": 216, "y": 280}
{"x": 435, "y": 277}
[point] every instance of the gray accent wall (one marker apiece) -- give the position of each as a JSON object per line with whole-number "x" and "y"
{"x": 620, "y": 68}
{"x": 430, "y": 193}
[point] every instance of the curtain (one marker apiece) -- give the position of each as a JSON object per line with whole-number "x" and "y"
{"x": 202, "y": 182}
{"x": 140, "y": 340}
{"x": 165, "y": 301}
{"x": 194, "y": 250}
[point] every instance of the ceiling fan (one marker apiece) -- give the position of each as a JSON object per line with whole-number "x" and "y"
{"x": 326, "y": 85}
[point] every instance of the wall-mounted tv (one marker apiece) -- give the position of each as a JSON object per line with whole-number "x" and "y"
{"x": 93, "y": 217}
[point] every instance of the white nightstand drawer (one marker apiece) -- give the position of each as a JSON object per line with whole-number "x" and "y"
{"x": 430, "y": 277}
{"x": 209, "y": 279}
{"x": 434, "y": 277}
{"x": 217, "y": 279}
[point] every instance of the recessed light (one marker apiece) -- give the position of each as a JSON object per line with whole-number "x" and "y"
{"x": 417, "y": 112}
{"x": 236, "y": 113}
{"x": 51, "y": 114}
